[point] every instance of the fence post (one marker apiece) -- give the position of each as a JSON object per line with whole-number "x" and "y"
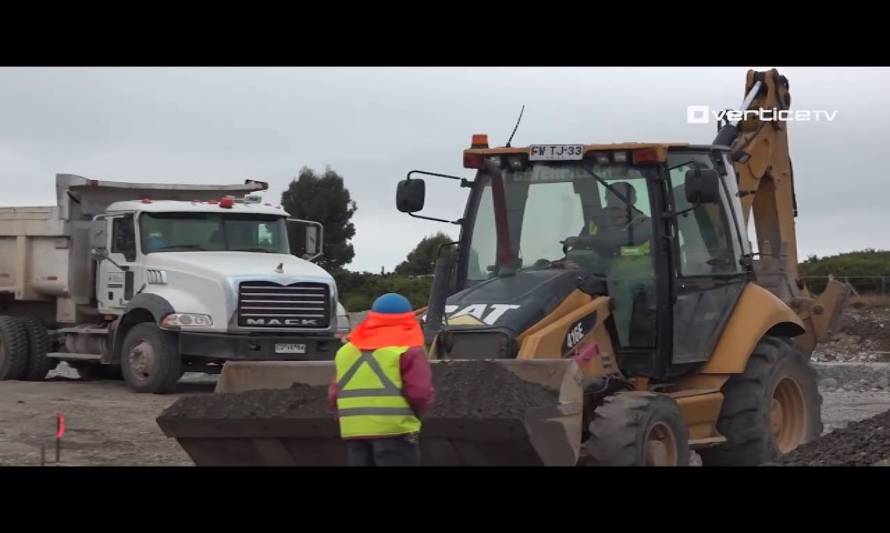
{"x": 883, "y": 284}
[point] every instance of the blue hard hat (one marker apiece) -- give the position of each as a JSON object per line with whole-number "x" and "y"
{"x": 391, "y": 303}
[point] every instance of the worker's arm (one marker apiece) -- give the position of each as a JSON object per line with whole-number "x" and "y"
{"x": 417, "y": 380}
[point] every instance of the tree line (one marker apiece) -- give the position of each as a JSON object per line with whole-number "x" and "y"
{"x": 864, "y": 268}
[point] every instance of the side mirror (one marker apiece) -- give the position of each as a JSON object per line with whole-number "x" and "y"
{"x": 99, "y": 254}
{"x": 306, "y": 238}
{"x": 98, "y": 233}
{"x": 702, "y": 186}
{"x": 410, "y": 195}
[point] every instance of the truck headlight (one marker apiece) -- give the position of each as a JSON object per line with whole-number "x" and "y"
{"x": 343, "y": 325}
{"x": 187, "y": 320}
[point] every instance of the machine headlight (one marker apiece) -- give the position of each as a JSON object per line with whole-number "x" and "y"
{"x": 187, "y": 320}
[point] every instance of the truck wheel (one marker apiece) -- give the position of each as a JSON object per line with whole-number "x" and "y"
{"x": 13, "y": 348}
{"x": 769, "y": 410}
{"x": 96, "y": 371}
{"x": 637, "y": 428}
{"x": 150, "y": 359}
{"x": 39, "y": 364}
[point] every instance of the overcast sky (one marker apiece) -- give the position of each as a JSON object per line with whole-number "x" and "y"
{"x": 373, "y": 125}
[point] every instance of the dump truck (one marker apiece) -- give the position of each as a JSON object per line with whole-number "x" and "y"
{"x": 623, "y": 278}
{"x": 147, "y": 281}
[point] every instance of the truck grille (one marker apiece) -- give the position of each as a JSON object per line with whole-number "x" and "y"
{"x": 264, "y": 304}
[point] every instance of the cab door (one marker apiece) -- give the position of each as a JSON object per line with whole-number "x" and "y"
{"x": 709, "y": 271}
{"x": 116, "y": 276}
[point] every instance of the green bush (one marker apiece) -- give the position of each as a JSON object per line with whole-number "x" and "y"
{"x": 358, "y": 290}
{"x": 866, "y": 265}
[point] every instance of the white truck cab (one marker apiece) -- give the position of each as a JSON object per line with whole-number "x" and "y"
{"x": 161, "y": 279}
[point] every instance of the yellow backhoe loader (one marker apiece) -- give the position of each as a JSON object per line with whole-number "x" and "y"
{"x": 621, "y": 276}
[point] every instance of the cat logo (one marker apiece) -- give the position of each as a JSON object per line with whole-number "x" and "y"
{"x": 465, "y": 320}
{"x": 476, "y": 314}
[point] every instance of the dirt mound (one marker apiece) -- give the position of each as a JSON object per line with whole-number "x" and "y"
{"x": 862, "y": 443}
{"x": 479, "y": 389}
{"x": 863, "y": 335}
{"x": 299, "y": 401}
{"x": 868, "y": 324}
{"x": 485, "y": 389}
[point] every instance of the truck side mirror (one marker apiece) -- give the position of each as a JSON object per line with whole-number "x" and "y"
{"x": 99, "y": 254}
{"x": 306, "y": 238}
{"x": 98, "y": 234}
{"x": 410, "y": 195}
{"x": 702, "y": 186}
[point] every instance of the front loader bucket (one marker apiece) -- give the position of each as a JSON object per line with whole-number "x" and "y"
{"x": 545, "y": 435}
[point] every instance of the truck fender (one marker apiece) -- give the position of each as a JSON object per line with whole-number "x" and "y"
{"x": 142, "y": 308}
{"x": 757, "y": 313}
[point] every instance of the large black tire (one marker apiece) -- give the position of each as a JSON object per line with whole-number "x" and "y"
{"x": 150, "y": 359}
{"x": 13, "y": 348}
{"x": 39, "y": 364}
{"x": 90, "y": 371}
{"x": 637, "y": 428}
{"x": 770, "y": 409}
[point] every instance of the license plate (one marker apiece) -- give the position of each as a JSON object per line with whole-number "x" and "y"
{"x": 290, "y": 348}
{"x": 555, "y": 152}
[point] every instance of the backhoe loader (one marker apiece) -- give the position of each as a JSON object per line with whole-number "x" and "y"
{"x": 620, "y": 275}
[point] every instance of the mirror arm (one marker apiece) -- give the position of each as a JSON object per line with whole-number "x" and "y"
{"x": 104, "y": 257}
{"x": 457, "y": 222}
{"x": 463, "y": 181}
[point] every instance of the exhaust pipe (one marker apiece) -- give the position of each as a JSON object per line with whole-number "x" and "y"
{"x": 435, "y": 314}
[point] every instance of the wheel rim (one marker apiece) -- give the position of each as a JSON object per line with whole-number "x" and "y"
{"x": 787, "y": 415}
{"x": 661, "y": 446}
{"x": 141, "y": 360}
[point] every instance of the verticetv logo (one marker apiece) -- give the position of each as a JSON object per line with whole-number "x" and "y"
{"x": 702, "y": 114}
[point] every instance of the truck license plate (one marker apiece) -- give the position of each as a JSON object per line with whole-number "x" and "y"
{"x": 290, "y": 348}
{"x": 555, "y": 152}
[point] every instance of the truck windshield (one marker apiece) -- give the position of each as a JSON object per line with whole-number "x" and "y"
{"x": 178, "y": 232}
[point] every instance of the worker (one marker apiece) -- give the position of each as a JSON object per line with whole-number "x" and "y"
{"x": 620, "y": 234}
{"x": 621, "y": 229}
{"x": 383, "y": 386}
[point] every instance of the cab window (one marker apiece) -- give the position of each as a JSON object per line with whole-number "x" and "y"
{"x": 706, "y": 238}
{"x": 123, "y": 237}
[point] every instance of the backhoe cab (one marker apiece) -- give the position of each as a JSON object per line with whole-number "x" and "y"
{"x": 653, "y": 227}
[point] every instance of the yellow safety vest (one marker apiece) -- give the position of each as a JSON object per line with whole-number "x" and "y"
{"x": 625, "y": 251}
{"x": 369, "y": 393}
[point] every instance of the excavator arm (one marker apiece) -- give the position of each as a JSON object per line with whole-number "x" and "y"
{"x": 762, "y": 161}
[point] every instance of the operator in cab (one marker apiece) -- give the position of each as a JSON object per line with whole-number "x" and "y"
{"x": 383, "y": 386}
{"x": 620, "y": 229}
{"x": 620, "y": 237}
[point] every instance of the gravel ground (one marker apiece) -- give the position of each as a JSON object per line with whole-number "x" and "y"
{"x": 108, "y": 425}
{"x": 860, "y": 443}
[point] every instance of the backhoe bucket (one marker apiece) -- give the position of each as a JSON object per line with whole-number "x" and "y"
{"x": 546, "y": 435}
